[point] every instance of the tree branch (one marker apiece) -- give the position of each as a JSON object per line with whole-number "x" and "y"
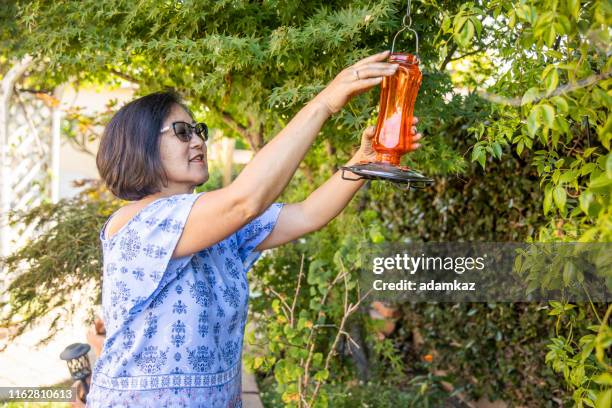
{"x": 35, "y": 91}
{"x": 257, "y": 137}
{"x": 124, "y": 76}
{"x": 260, "y": 136}
{"x": 242, "y": 130}
{"x": 517, "y": 101}
{"x": 484, "y": 48}
{"x": 448, "y": 57}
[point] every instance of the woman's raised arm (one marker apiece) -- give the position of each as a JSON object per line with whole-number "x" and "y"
{"x": 218, "y": 214}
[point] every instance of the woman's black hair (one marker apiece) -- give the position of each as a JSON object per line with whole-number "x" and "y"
{"x": 128, "y": 157}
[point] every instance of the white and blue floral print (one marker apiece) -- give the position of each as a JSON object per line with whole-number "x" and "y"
{"x": 174, "y": 327}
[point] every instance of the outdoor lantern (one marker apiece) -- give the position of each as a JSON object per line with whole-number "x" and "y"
{"x": 394, "y": 137}
{"x": 78, "y": 363}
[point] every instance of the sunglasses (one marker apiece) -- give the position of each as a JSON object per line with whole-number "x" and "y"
{"x": 184, "y": 130}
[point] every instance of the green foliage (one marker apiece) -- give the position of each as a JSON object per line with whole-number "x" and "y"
{"x": 300, "y": 334}
{"x": 560, "y": 266}
{"x": 422, "y": 391}
{"x": 580, "y": 355}
{"x": 487, "y": 349}
{"x": 62, "y": 261}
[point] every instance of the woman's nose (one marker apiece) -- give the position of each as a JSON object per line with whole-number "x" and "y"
{"x": 197, "y": 142}
{"x": 198, "y": 145}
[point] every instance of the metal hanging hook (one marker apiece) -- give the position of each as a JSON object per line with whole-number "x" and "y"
{"x": 406, "y": 25}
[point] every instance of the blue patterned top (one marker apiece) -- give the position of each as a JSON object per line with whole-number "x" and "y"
{"x": 174, "y": 327}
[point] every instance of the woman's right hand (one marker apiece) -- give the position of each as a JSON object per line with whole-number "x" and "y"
{"x": 356, "y": 79}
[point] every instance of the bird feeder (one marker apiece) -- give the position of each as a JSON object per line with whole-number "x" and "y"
{"x": 394, "y": 137}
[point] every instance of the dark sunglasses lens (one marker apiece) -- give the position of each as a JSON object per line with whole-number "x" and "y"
{"x": 182, "y": 131}
{"x": 202, "y": 130}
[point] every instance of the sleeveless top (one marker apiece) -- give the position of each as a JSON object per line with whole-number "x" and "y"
{"x": 174, "y": 327}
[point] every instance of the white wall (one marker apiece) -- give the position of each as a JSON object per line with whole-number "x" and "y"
{"x": 74, "y": 164}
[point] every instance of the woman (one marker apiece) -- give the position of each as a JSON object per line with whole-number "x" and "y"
{"x": 175, "y": 290}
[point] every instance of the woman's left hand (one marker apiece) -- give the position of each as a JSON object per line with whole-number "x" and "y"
{"x": 354, "y": 80}
{"x": 367, "y": 154}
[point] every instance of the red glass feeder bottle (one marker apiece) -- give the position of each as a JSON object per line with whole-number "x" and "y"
{"x": 394, "y": 137}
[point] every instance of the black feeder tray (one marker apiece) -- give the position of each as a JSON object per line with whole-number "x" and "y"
{"x": 387, "y": 172}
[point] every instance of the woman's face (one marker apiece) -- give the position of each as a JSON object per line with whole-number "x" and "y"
{"x": 185, "y": 163}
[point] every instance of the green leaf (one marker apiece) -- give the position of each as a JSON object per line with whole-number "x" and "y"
{"x": 560, "y": 103}
{"x": 602, "y": 181}
{"x": 482, "y": 159}
{"x": 559, "y": 196}
{"x": 533, "y": 123}
{"x": 588, "y": 152}
{"x": 530, "y": 95}
{"x": 321, "y": 375}
{"x": 315, "y": 272}
{"x": 547, "y": 198}
{"x": 588, "y": 204}
{"x": 573, "y": 6}
{"x": 552, "y": 80}
{"x": 276, "y": 306}
{"x": 533, "y": 285}
{"x": 317, "y": 359}
{"x": 477, "y": 151}
{"x": 550, "y": 35}
{"x": 587, "y": 169}
{"x": 375, "y": 235}
{"x": 556, "y": 174}
{"x": 604, "y": 379}
{"x": 569, "y": 272}
{"x": 604, "y": 399}
{"x": 609, "y": 166}
{"x": 458, "y": 23}
{"x": 522, "y": 12}
{"x": 465, "y": 35}
{"x": 497, "y": 150}
{"x": 479, "y": 155}
{"x": 564, "y": 26}
{"x": 585, "y": 200}
{"x": 446, "y": 24}
{"x": 257, "y": 362}
{"x": 533, "y": 15}
{"x": 548, "y": 114}
{"x": 477, "y": 24}
{"x": 443, "y": 52}
{"x": 568, "y": 176}
{"x": 519, "y": 147}
{"x": 512, "y": 18}
{"x": 547, "y": 71}
{"x": 518, "y": 264}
